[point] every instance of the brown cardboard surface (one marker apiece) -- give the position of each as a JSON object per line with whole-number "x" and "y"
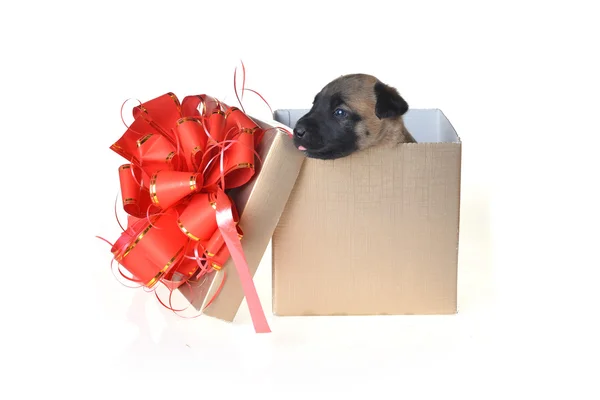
{"x": 373, "y": 233}
{"x": 260, "y": 204}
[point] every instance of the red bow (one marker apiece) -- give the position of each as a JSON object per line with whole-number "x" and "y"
{"x": 181, "y": 223}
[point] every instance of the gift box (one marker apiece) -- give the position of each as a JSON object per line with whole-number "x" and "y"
{"x": 376, "y": 232}
{"x": 203, "y": 189}
{"x": 260, "y": 204}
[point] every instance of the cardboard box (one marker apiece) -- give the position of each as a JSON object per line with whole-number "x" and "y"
{"x": 260, "y": 204}
{"x": 373, "y": 233}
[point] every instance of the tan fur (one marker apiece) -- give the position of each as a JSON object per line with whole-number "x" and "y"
{"x": 357, "y": 91}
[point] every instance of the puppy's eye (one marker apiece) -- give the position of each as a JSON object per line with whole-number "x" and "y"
{"x": 339, "y": 112}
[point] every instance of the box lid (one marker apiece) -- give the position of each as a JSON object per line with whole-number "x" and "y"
{"x": 260, "y": 204}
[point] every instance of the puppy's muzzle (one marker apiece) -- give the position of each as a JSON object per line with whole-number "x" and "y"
{"x": 305, "y": 127}
{"x": 300, "y": 131}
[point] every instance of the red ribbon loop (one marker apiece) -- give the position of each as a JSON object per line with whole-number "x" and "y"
{"x": 183, "y": 158}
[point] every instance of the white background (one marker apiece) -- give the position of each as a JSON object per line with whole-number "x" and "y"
{"x": 518, "y": 80}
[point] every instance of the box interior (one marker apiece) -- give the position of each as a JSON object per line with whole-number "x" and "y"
{"x": 426, "y": 125}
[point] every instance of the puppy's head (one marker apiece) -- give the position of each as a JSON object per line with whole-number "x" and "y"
{"x": 351, "y": 113}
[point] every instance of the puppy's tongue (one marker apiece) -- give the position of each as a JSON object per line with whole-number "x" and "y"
{"x": 301, "y": 148}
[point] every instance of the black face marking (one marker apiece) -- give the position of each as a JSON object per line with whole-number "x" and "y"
{"x": 335, "y": 101}
{"x": 355, "y": 118}
{"x": 325, "y": 133}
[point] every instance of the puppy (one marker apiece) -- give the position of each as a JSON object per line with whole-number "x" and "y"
{"x": 352, "y": 113}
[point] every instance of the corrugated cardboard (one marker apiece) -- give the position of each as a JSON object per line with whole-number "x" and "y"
{"x": 260, "y": 204}
{"x": 373, "y": 233}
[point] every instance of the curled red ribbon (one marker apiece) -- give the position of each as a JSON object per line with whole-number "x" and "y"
{"x": 181, "y": 223}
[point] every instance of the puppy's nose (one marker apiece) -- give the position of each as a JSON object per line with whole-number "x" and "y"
{"x": 299, "y": 131}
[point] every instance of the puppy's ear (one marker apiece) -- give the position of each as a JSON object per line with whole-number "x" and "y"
{"x": 389, "y": 102}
